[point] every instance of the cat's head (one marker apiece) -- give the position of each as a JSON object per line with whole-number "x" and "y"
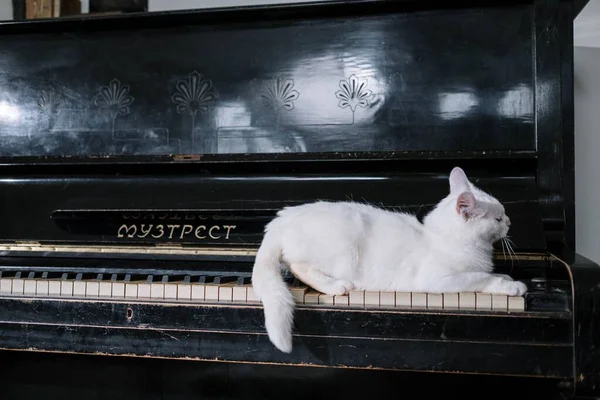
{"x": 469, "y": 212}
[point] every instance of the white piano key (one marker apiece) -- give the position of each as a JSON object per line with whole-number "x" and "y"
{"x": 198, "y": 292}
{"x": 516, "y": 303}
{"x": 105, "y": 289}
{"x": 184, "y": 291}
{"x": 298, "y": 293}
{"x": 403, "y": 300}
{"x": 387, "y": 299}
{"x": 341, "y": 300}
{"x": 419, "y": 300}
{"x": 29, "y": 287}
{"x": 483, "y": 301}
{"x": 226, "y": 293}
{"x": 326, "y": 299}
{"x": 131, "y": 290}
{"x": 54, "y": 287}
{"x": 466, "y": 301}
{"x": 451, "y": 301}
{"x": 240, "y": 294}
{"x": 42, "y": 287}
{"x": 66, "y": 288}
{"x": 356, "y": 298}
{"x": 143, "y": 291}
{"x": 6, "y": 286}
{"x": 170, "y": 291}
{"x": 312, "y": 297}
{"x": 18, "y": 286}
{"x": 499, "y": 302}
{"x": 371, "y": 298}
{"x": 157, "y": 290}
{"x": 435, "y": 301}
{"x": 92, "y": 289}
{"x": 211, "y": 293}
{"x": 251, "y": 297}
{"x": 79, "y": 288}
{"x": 118, "y": 290}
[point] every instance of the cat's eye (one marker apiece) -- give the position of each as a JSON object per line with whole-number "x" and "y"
{"x": 499, "y": 219}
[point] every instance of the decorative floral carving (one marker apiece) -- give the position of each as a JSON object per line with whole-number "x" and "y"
{"x": 278, "y": 94}
{"x": 193, "y": 95}
{"x": 46, "y": 99}
{"x": 114, "y": 97}
{"x": 353, "y": 93}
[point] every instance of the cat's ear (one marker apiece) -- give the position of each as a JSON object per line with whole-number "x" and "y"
{"x": 466, "y": 205}
{"x": 458, "y": 181}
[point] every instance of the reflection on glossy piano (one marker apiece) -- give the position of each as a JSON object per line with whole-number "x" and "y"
{"x": 141, "y": 157}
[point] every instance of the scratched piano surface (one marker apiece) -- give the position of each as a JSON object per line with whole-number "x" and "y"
{"x": 141, "y": 157}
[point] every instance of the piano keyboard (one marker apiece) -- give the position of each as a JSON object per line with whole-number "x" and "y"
{"x": 234, "y": 290}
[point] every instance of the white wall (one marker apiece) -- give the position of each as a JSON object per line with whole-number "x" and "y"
{"x": 587, "y": 151}
{"x": 587, "y": 130}
{"x": 6, "y": 10}
{"x": 586, "y": 30}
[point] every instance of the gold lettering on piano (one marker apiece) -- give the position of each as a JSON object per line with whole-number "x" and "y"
{"x": 172, "y": 227}
{"x": 198, "y": 229}
{"x": 160, "y": 229}
{"x": 210, "y": 232}
{"x": 229, "y": 228}
{"x": 127, "y": 229}
{"x": 185, "y": 231}
{"x": 145, "y": 231}
{"x": 201, "y": 232}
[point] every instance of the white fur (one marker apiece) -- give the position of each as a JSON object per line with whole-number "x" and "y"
{"x": 335, "y": 247}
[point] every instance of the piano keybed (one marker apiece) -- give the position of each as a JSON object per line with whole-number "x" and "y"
{"x": 233, "y": 290}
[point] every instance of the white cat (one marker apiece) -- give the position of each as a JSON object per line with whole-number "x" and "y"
{"x": 335, "y": 247}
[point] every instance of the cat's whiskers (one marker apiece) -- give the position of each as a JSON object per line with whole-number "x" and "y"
{"x": 512, "y": 254}
{"x": 503, "y": 252}
{"x": 504, "y": 243}
{"x": 510, "y": 244}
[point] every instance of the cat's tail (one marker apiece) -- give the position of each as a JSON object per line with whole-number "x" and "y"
{"x": 272, "y": 291}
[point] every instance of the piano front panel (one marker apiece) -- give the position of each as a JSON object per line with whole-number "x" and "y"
{"x": 288, "y": 81}
{"x": 230, "y": 209}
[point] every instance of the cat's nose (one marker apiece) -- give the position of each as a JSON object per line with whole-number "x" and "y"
{"x": 507, "y": 221}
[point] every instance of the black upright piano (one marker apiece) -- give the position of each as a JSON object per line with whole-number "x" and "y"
{"x": 142, "y": 155}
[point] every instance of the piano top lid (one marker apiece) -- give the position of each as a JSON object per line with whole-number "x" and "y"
{"x": 271, "y": 11}
{"x": 300, "y": 91}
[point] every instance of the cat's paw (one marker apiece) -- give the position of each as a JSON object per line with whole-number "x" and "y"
{"x": 514, "y": 288}
{"x": 341, "y": 287}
